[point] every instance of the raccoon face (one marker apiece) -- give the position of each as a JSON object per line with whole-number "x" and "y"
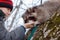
{"x": 30, "y": 14}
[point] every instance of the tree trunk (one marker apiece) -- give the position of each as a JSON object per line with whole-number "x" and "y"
{"x": 49, "y": 30}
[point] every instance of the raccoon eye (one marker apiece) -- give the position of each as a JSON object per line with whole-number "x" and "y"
{"x": 33, "y": 10}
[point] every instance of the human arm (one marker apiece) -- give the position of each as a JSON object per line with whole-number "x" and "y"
{"x": 17, "y": 34}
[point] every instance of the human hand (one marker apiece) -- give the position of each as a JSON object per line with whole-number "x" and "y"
{"x": 29, "y": 24}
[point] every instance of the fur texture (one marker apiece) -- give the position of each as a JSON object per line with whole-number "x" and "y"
{"x": 42, "y": 12}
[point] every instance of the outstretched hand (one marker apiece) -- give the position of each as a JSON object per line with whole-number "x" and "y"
{"x": 29, "y": 24}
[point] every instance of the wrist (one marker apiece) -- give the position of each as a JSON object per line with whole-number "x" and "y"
{"x": 25, "y": 26}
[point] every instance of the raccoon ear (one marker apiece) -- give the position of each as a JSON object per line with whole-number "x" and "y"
{"x": 29, "y": 10}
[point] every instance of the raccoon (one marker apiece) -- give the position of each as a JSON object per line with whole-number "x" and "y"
{"x": 42, "y": 12}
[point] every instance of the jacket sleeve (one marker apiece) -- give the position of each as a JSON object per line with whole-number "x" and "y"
{"x": 17, "y": 34}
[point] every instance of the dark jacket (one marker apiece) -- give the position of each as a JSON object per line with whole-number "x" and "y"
{"x": 17, "y": 34}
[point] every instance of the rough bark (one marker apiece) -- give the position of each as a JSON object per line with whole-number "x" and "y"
{"x": 49, "y": 14}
